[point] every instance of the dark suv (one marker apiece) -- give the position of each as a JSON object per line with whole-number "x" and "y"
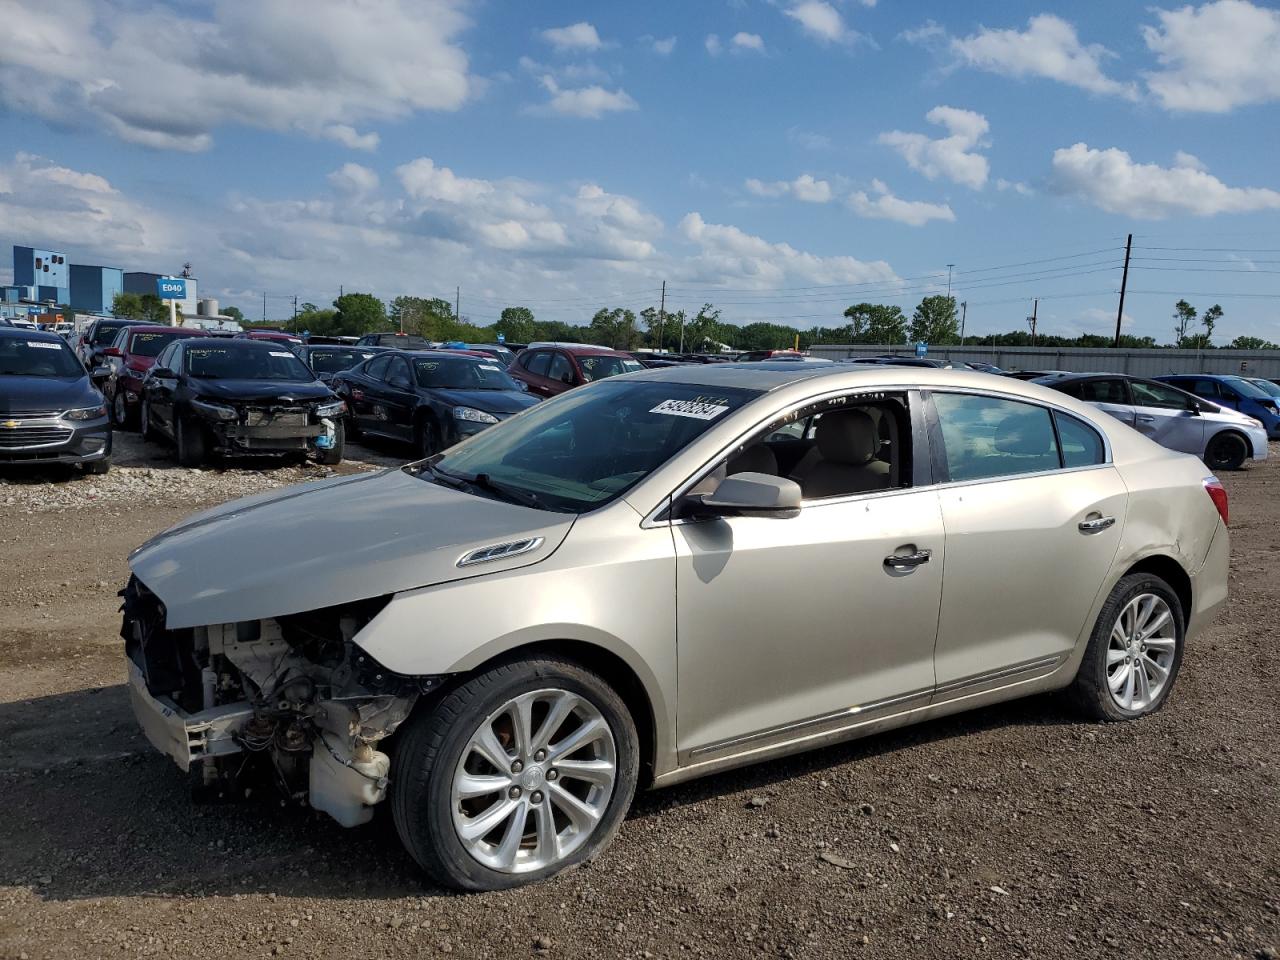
{"x": 400, "y": 341}
{"x": 552, "y": 368}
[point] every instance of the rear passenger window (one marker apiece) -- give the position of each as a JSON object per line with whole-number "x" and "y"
{"x": 538, "y": 363}
{"x": 1104, "y": 391}
{"x": 990, "y": 437}
{"x": 1148, "y": 393}
{"x": 1081, "y": 444}
{"x": 378, "y": 368}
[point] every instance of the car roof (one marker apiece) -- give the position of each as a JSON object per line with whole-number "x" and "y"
{"x": 231, "y": 343}
{"x": 30, "y": 333}
{"x": 772, "y": 374}
{"x": 163, "y": 328}
{"x": 441, "y": 352}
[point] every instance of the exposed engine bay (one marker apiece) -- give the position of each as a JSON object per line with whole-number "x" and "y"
{"x": 290, "y": 699}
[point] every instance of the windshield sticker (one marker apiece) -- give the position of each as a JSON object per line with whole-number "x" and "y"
{"x": 41, "y": 345}
{"x": 428, "y": 364}
{"x": 487, "y": 366}
{"x": 698, "y": 408}
{"x": 280, "y": 353}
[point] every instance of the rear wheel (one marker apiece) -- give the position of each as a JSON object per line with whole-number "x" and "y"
{"x": 120, "y": 414}
{"x": 1226, "y": 451}
{"x": 144, "y": 422}
{"x": 1134, "y": 652}
{"x": 523, "y": 771}
{"x": 190, "y": 440}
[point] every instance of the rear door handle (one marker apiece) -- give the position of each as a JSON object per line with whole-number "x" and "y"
{"x": 907, "y": 560}
{"x": 1096, "y": 523}
{"x": 1147, "y": 419}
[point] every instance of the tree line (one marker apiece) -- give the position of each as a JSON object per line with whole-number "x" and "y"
{"x": 935, "y": 321}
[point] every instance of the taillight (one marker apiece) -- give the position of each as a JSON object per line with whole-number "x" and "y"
{"x": 1218, "y": 494}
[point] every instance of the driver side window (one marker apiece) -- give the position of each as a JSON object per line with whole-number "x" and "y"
{"x": 560, "y": 369}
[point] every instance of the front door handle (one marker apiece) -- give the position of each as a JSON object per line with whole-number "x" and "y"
{"x": 1146, "y": 419}
{"x": 1094, "y": 524}
{"x": 907, "y": 560}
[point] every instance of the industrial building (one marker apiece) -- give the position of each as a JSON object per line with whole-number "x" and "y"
{"x": 94, "y": 289}
{"x": 46, "y": 270}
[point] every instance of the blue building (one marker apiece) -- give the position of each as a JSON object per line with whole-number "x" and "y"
{"x": 142, "y": 283}
{"x": 46, "y": 270}
{"x": 15, "y": 294}
{"x": 94, "y": 289}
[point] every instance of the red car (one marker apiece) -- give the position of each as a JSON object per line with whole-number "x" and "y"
{"x": 553, "y": 368}
{"x": 131, "y": 355}
{"x": 277, "y": 336}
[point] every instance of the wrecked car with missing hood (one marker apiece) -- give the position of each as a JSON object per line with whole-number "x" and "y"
{"x": 487, "y": 639}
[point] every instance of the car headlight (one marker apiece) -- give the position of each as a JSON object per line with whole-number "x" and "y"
{"x": 86, "y": 413}
{"x": 215, "y": 411}
{"x": 335, "y": 409}
{"x": 475, "y": 416}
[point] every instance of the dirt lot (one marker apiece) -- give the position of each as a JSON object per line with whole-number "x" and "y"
{"x": 1012, "y": 832}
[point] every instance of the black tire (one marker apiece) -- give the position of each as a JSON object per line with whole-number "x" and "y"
{"x": 190, "y": 440}
{"x": 121, "y": 415}
{"x": 1090, "y": 690}
{"x": 431, "y": 744}
{"x": 144, "y": 422}
{"x": 97, "y": 468}
{"x": 1226, "y": 451}
{"x": 426, "y": 438}
{"x": 333, "y": 455}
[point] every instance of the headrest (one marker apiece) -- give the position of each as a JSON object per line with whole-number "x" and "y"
{"x": 756, "y": 458}
{"x": 847, "y": 436}
{"x": 1025, "y": 434}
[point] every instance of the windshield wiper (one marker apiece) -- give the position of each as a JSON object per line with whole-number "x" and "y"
{"x": 482, "y": 481}
{"x": 448, "y": 479}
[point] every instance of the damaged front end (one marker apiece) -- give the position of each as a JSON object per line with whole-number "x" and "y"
{"x": 291, "y": 697}
{"x": 261, "y": 426}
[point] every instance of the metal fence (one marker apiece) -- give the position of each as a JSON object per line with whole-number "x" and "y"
{"x": 1139, "y": 363}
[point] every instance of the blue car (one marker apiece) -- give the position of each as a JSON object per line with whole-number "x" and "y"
{"x": 1235, "y": 393}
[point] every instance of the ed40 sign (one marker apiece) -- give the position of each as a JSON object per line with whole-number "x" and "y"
{"x": 171, "y": 288}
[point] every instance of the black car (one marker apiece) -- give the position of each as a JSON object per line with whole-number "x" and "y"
{"x": 430, "y": 398}
{"x": 97, "y": 337}
{"x": 398, "y": 341}
{"x": 240, "y": 397}
{"x": 327, "y": 359}
{"x": 51, "y": 410}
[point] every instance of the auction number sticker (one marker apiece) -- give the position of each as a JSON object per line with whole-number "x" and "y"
{"x": 699, "y": 408}
{"x": 280, "y": 353}
{"x": 41, "y": 345}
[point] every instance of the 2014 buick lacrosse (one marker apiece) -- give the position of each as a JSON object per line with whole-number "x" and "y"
{"x": 660, "y": 576}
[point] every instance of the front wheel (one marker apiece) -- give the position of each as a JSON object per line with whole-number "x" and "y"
{"x": 190, "y": 441}
{"x": 1134, "y": 652}
{"x": 426, "y": 438}
{"x": 1226, "y": 451}
{"x": 120, "y": 415}
{"x": 328, "y": 456}
{"x": 524, "y": 771}
{"x": 144, "y": 422}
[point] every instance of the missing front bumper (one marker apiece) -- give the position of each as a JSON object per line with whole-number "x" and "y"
{"x": 186, "y": 738}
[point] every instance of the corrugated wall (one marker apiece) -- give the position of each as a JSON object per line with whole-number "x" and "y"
{"x": 1140, "y": 363}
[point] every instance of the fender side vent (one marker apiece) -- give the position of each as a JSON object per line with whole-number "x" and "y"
{"x": 500, "y": 551}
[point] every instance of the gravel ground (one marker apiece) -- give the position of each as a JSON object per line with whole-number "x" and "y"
{"x": 1015, "y": 831}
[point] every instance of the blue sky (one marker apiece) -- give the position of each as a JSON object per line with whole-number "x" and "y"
{"x": 780, "y": 158}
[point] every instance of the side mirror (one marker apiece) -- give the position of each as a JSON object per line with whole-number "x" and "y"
{"x": 111, "y": 352}
{"x": 100, "y": 373}
{"x": 1196, "y": 407}
{"x": 162, "y": 373}
{"x": 753, "y": 495}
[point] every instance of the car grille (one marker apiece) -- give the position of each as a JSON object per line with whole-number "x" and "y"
{"x": 277, "y": 416}
{"x": 30, "y": 435}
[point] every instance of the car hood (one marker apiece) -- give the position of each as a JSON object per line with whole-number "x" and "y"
{"x": 286, "y": 391}
{"x": 333, "y": 541}
{"x": 40, "y": 394}
{"x": 490, "y": 401}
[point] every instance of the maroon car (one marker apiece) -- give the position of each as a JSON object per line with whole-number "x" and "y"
{"x": 276, "y": 336}
{"x": 131, "y": 355}
{"x": 552, "y": 368}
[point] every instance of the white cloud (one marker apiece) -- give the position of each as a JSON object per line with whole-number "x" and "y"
{"x": 1215, "y": 57}
{"x": 748, "y": 41}
{"x": 353, "y": 178}
{"x": 883, "y": 205}
{"x": 820, "y": 20}
{"x": 349, "y": 137}
{"x": 729, "y": 253}
{"x": 423, "y": 180}
{"x": 63, "y": 207}
{"x": 713, "y": 44}
{"x": 1016, "y": 186}
{"x": 928, "y": 34}
{"x": 662, "y": 47}
{"x": 83, "y": 62}
{"x": 803, "y": 187}
{"x": 590, "y": 102}
{"x": 1049, "y": 48}
{"x": 953, "y": 157}
{"x": 577, "y": 36}
{"x": 808, "y": 139}
{"x": 1110, "y": 179}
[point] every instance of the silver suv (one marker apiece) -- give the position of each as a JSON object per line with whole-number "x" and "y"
{"x": 508, "y": 638}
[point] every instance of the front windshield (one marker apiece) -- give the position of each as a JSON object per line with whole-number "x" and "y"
{"x": 597, "y": 368}
{"x": 106, "y": 333}
{"x": 150, "y": 344}
{"x": 1247, "y": 388}
{"x": 246, "y": 363}
{"x": 461, "y": 373}
{"x": 333, "y": 361}
{"x": 590, "y": 446}
{"x": 20, "y": 357}
{"x": 1267, "y": 387}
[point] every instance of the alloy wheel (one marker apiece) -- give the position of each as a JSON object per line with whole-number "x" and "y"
{"x": 1141, "y": 651}
{"x": 120, "y": 409}
{"x": 534, "y": 781}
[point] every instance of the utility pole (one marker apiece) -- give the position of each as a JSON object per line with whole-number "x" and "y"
{"x": 949, "y": 266}
{"x": 295, "y": 313}
{"x": 1035, "y": 309}
{"x": 964, "y": 311}
{"x": 662, "y": 314}
{"x": 457, "y": 304}
{"x": 264, "y": 306}
{"x": 1124, "y": 282}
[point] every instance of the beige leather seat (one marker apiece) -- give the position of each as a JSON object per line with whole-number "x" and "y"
{"x": 756, "y": 458}
{"x": 842, "y": 460}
